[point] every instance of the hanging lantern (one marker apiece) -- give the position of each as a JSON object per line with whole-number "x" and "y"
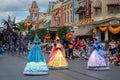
{"x": 69, "y": 36}
{"x": 70, "y": 5}
{"x": 28, "y": 24}
{"x": 86, "y": 21}
{"x": 47, "y": 37}
{"x": 115, "y": 29}
{"x": 103, "y": 28}
{"x": 54, "y": 13}
{"x": 81, "y": 22}
{"x": 57, "y": 11}
{"x": 67, "y": 6}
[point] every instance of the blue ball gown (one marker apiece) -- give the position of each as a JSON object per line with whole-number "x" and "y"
{"x": 36, "y": 62}
{"x": 97, "y": 58}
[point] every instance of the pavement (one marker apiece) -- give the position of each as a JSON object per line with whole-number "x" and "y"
{"x": 11, "y": 68}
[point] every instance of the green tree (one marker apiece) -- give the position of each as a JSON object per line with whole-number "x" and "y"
{"x": 62, "y": 30}
{"x": 40, "y": 32}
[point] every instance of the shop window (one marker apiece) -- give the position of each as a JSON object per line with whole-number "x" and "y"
{"x": 82, "y": 16}
{"x": 97, "y": 11}
{"x": 64, "y": 17}
{"x": 67, "y": 16}
{"x": 113, "y": 9}
{"x": 70, "y": 15}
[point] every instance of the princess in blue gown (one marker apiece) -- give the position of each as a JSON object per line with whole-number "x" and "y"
{"x": 36, "y": 62}
{"x": 97, "y": 57}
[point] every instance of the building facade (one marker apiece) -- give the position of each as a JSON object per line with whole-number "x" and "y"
{"x": 56, "y": 14}
{"x": 36, "y": 18}
{"x": 63, "y": 13}
{"x": 90, "y": 17}
{"x": 67, "y": 12}
{"x": 106, "y": 15}
{"x": 84, "y": 19}
{"x": 49, "y": 15}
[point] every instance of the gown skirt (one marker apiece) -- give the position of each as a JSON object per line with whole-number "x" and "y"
{"x": 57, "y": 59}
{"x": 36, "y": 62}
{"x": 97, "y": 62}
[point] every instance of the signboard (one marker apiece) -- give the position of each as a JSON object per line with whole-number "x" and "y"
{"x": 87, "y": 8}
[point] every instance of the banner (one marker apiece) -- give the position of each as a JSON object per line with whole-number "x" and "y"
{"x": 87, "y": 8}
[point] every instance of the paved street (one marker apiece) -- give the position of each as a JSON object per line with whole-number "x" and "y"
{"x": 11, "y": 68}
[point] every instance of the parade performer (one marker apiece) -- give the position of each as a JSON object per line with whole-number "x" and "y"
{"x": 97, "y": 56}
{"x": 1, "y": 48}
{"x": 57, "y": 58}
{"x": 36, "y": 62}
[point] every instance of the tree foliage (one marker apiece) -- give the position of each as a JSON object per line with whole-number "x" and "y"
{"x": 40, "y": 32}
{"x": 62, "y": 30}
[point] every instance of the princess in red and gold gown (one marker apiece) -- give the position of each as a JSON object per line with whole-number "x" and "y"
{"x": 57, "y": 58}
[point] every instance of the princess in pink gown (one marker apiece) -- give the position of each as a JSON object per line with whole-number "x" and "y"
{"x": 57, "y": 58}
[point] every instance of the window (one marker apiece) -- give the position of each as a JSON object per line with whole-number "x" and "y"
{"x": 82, "y": 16}
{"x": 64, "y": 17}
{"x": 97, "y": 11}
{"x": 113, "y": 9}
{"x": 70, "y": 15}
{"x": 67, "y": 16}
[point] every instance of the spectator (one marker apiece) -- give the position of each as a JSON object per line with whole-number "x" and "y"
{"x": 113, "y": 49}
{"x": 70, "y": 51}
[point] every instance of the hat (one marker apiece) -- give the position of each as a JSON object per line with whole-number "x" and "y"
{"x": 57, "y": 37}
{"x": 36, "y": 39}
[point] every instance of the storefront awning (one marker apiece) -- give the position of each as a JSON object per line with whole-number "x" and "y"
{"x": 80, "y": 10}
{"x": 107, "y": 21}
{"x": 86, "y": 31}
{"x": 113, "y": 2}
{"x": 97, "y": 4}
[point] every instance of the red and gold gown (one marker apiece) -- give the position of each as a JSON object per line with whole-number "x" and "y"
{"x": 57, "y": 57}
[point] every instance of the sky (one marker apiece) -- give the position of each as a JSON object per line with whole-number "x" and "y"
{"x": 19, "y": 8}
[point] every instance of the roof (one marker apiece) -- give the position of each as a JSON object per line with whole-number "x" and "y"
{"x": 80, "y": 10}
{"x": 113, "y": 2}
{"x": 34, "y": 4}
{"x": 83, "y": 31}
{"x": 97, "y": 4}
